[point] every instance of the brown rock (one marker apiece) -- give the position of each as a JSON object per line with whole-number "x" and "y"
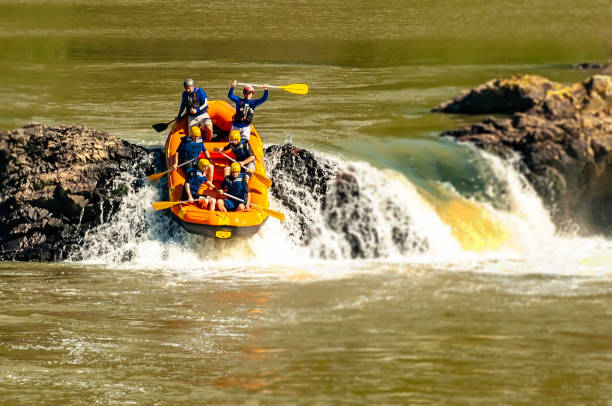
{"x": 54, "y": 181}
{"x": 565, "y": 141}
{"x": 511, "y": 95}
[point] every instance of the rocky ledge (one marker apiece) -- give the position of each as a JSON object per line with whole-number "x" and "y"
{"x": 314, "y": 188}
{"x": 562, "y": 134}
{"x": 57, "y": 183}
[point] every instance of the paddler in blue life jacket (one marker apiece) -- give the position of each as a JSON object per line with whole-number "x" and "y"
{"x": 236, "y": 184}
{"x": 195, "y": 102}
{"x": 191, "y": 148}
{"x": 195, "y": 178}
{"x": 242, "y": 151}
{"x": 245, "y": 108}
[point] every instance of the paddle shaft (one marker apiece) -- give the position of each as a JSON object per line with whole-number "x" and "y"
{"x": 250, "y": 84}
{"x": 267, "y": 182}
{"x": 233, "y": 160}
{"x": 159, "y": 127}
{"x": 157, "y": 176}
{"x": 273, "y": 213}
{"x": 297, "y": 88}
{"x": 166, "y": 205}
{"x": 178, "y": 166}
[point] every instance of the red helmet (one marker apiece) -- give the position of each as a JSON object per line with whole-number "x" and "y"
{"x": 248, "y": 89}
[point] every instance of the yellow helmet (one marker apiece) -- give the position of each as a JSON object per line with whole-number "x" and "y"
{"x": 235, "y": 167}
{"x": 203, "y": 162}
{"x": 195, "y": 130}
{"x": 234, "y": 135}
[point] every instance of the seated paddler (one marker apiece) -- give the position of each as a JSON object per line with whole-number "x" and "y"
{"x": 236, "y": 190}
{"x": 195, "y": 179}
{"x": 191, "y": 148}
{"x": 242, "y": 151}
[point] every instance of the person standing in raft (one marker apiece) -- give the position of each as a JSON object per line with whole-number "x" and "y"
{"x": 195, "y": 178}
{"x": 191, "y": 148}
{"x": 195, "y": 102}
{"x": 236, "y": 184}
{"x": 245, "y": 108}
{"x": 242, "y": 151}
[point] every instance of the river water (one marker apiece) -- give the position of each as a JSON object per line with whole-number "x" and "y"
{"x": 483, "y": 302}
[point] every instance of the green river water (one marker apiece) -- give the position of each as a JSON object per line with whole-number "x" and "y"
{"x": 500, "y": 308}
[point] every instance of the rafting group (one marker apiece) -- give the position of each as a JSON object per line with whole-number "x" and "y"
{"x": 217, "y": 184}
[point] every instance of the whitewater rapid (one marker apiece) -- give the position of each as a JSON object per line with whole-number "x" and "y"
{"x": 381, "y": 219}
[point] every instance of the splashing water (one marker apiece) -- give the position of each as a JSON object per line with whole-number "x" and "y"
{"x": 361, "y": 212}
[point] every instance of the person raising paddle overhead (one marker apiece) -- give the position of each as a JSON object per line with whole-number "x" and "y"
{"x": 195, "y": 102}
{"x": 245, "y": 108}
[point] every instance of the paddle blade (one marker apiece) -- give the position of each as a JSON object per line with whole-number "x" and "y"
{"x": 267, "y": 182}
{"x": 275, "y": 214}
{"x": 159, "y": 127}
{"x": 157, "y": 176}
{"x": 297, "y": 88}
{"x": 164, "y": 205}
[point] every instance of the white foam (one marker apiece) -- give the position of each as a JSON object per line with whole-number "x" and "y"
{"x": 139, "y": 237}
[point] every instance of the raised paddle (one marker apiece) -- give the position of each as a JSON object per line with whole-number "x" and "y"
{"x": 158, "y": 176}
{"x": 159, "y": 127}
{"x": 272, "y": 213}
{"x": 297, "y": 88}
{"x": 267, "y": 182}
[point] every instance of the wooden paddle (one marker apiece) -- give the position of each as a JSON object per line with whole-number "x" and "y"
{"x": 267, "y": 182}
{"x": 272, "y": 213}
{"x": 297, "y": 88}
{"x": 158, "y": 176}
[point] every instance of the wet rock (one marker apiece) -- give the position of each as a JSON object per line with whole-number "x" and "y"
{"x": 504, "y": 96}
{"x": 588, "y": 65}
{"x": 325, "y": 199}
{"x": 300, "y": 182}
{"x": 57, "y": 182}
{"x": 347, "y": 213}
{"x": 565, "y": 143}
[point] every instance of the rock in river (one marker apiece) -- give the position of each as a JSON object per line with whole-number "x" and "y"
{"x": 57, "y": 182}
{"x": 563, "y": 135}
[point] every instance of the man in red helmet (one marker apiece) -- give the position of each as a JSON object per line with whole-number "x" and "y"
{"x": 245, "y": 108}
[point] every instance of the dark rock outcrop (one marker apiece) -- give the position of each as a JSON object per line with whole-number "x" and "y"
{"x": 503, "y": 96}
{"x": 316, "y": 191}
{"x": 565, "y": 142}
{"x": 588, "y": 65}
{"x": 59, "y": 182}
{"x": 300, "y": 183}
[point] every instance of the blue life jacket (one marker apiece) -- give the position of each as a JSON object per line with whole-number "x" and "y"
{"x": 244, "y": 108}
{"x": 244, "y": 113}
{"x": 190, "y": 149}
{"x": 195, "y": 178}
{"x": 194, "y": 100}
{"x": 241, "y": 151}
{"x": 238, "y": 186}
